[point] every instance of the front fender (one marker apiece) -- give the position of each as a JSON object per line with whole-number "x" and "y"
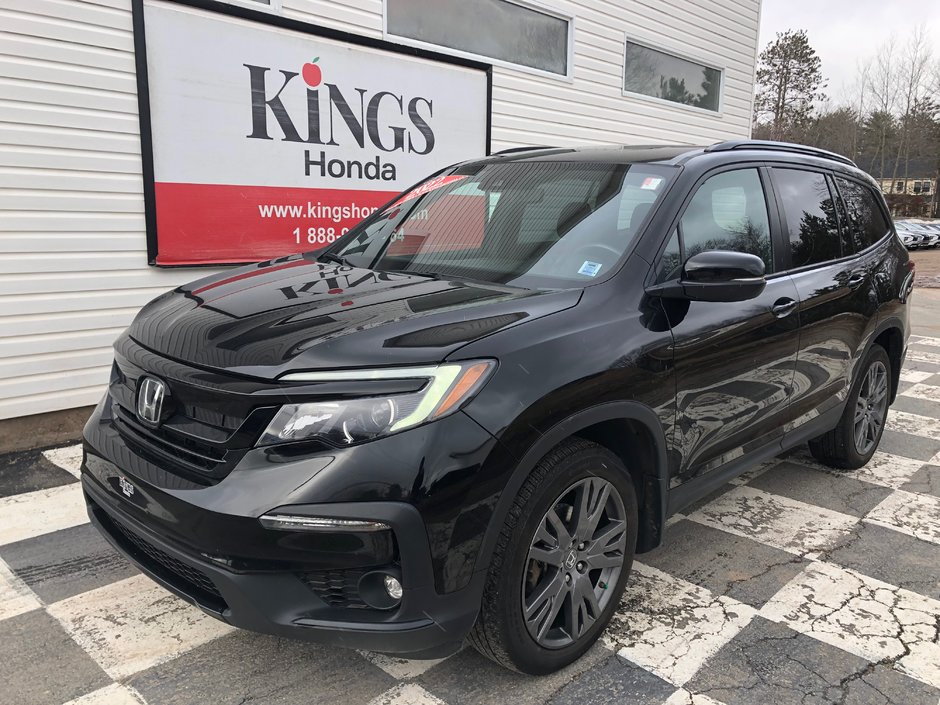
{"x": 653, "y": 493}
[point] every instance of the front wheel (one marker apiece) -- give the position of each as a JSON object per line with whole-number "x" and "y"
{"x": 851, "y": 444}
{"x": 561, "y": 560}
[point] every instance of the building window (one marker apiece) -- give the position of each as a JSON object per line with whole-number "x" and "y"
{"x": 268, "y": 5}
{"x": 510, "y": 32}
{"x": 899, "y": 187}
{"x": 655, "y": 73}
{"x": 917, "y": 187}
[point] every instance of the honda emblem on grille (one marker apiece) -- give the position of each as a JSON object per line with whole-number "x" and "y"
{"x": 150, "y": 393}
{"x": 126, "y": 487}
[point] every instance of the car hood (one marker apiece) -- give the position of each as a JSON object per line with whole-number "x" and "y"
{"x": 296, "y": 313}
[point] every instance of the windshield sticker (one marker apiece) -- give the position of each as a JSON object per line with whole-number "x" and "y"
{"x": 427, "y": 187}
{"x": 589, "y": 269}
{"x": 651, "y": 183}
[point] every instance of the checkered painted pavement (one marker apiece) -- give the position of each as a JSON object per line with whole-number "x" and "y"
{"x": 794, "y": 583}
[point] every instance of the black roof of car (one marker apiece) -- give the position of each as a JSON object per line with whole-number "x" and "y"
{"x": 682, "y": 154}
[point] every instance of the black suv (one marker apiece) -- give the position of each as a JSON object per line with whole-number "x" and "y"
{"x": 467, "y": 415}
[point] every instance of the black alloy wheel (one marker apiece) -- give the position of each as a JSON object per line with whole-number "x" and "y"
{"x": 576, "y": 554}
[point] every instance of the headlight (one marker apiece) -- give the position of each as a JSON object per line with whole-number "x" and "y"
{"x": 344, "y": 422}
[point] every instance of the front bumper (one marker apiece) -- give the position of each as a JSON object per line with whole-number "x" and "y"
{"x": 280, "y": 602}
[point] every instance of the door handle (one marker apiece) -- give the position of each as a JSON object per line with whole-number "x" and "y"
{"x": 783, "y": 307}
{"x": 856, "y": 280}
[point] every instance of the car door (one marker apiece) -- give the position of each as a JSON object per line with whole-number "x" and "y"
{"x": 734, "y": 362}
{"x": 835, "y": 288}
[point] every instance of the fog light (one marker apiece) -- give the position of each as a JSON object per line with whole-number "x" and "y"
{"x": 393, "y": 587}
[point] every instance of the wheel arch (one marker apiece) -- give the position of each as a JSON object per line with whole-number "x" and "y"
{"x": 630, "y": 430}
{"x": 889, "y": 335}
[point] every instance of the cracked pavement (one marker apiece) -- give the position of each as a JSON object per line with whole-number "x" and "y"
{"x": 794, "y": 583}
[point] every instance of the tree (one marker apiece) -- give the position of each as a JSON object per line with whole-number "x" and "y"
{"x": 912, "y": 74}
{"x": 905, "y": 205}
{"x": 885, "y": 89}
{"x": 835, "y": 130}
{"x": 879, "y": 131}
{"x": 789, "y": 82}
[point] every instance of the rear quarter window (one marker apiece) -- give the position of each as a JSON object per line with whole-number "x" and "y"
{"x": 867, "y": 223}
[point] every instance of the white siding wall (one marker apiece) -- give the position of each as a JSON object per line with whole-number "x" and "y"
{"x": 73, "y": 255}
{"x": 72, "y": 246}
{"x": 533, "y": 110}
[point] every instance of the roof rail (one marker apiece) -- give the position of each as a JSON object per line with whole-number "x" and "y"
{"x": 521, "y": 149}
{"x": 779, "y": 147}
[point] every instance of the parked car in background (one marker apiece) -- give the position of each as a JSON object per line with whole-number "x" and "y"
{"x": 467, "y": 415}
{"x": 934, "y": 229}
{"x": 910, "y": 239}
{"x": 916, "y": 234}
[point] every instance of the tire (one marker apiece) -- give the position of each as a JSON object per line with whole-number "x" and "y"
{"x": 516, "y": 581}
{"x": 839, "y": 448}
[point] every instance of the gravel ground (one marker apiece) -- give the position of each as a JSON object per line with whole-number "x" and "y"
{"x": 928, "y": 267}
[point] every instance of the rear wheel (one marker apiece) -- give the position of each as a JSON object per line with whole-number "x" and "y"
{"x": 852, "y": 443}
{"x": 561, "y": 560}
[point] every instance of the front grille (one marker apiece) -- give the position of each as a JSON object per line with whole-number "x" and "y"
{"x": 337, "y": 588}
{"x": 193, "y": 455}
{"x": 184, "y": 577}
{"x": 206, "y": 426}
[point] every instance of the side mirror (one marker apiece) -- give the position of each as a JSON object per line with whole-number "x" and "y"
{"x": 716, "y": 275}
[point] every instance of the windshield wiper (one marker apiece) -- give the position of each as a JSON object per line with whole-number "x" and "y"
{"x": 430, "y": 275}
{"x": 330, "y": 257}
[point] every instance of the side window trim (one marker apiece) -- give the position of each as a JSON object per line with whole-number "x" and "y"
{"x": 759, "y": 166}
{"x": 835, "y": 197}
{"x": 778, "y": 227}
{"x": 842, "y": 216}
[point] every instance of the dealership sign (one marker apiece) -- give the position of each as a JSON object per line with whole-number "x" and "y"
{"x": 267, "y": 140}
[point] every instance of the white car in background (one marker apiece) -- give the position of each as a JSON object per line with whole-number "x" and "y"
{"x": 906, "y": 235}
{"x": 916, "y": 234}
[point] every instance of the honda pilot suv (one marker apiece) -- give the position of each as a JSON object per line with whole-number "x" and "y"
{"x": 466, "y": 416}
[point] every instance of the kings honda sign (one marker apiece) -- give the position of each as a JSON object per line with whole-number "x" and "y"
{"x": 267, "y": 140}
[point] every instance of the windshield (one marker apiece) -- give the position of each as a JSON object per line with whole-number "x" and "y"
{"x": 532, "y": 224}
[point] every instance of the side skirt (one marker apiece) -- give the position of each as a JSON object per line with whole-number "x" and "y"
{"x": 698, "y": 487}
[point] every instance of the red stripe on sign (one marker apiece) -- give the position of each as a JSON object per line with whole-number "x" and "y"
{"x": 219, "y": 224}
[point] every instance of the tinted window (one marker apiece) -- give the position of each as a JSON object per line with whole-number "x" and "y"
{"x": 661, "y": 75}
{"x": 867, "y": 223}
{"x": 810, "y": 214}
{"x": 529, "y": 224}
{"x": 728, "y": 212}
{"x": 671, "y": 260}
{"x": 494, "y": 28}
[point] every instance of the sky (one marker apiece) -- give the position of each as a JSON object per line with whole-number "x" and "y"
{"x": 844, "y": 32}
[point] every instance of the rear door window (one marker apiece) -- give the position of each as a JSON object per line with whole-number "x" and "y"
{"x": 809, "y": 210}
{"x": 867, "y": 223}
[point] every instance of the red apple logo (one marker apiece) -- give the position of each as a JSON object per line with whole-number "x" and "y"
{"x": 312, "y": 74}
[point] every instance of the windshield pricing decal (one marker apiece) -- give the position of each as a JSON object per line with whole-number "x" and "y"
{"x": 427, "y": 187}
{"x": 651, "y": 183}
